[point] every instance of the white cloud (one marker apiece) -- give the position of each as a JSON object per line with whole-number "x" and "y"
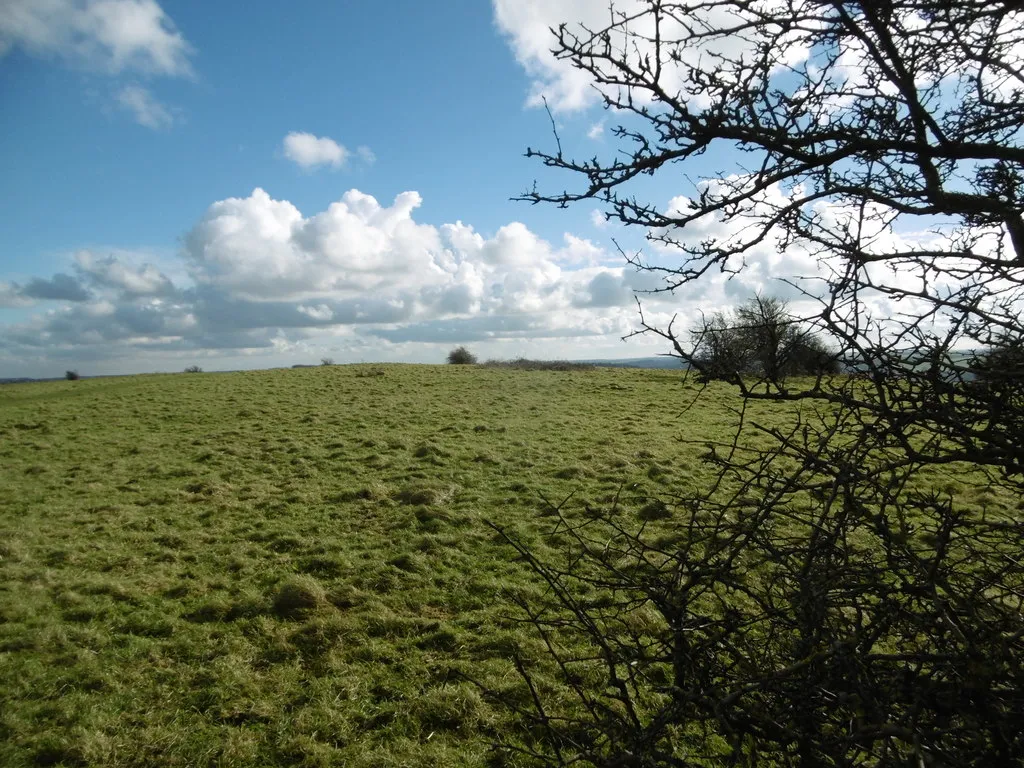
{"x": 366, "y": 155}
{"x": 596, "y": 131}
{"x": 605, "y": 289}
{"x": 528, "y": 24}
{"x": 258, "y": 278}
{"x": 320, "y": 313}
{"x": 309, "y": 151}
{"x": 11, "y": 296}
{"x": 262, "y": 277}
{"x": 265, "y": 249}
{"x": 583, "y": 252}
{"x": 261, "y": 283}
{"x": 124, "y": 276}
{"x": 144, "y": 107}
{"x": 800, "y": 273}
{"x": 265, "y": 280}
{"x": 109, "y": 35}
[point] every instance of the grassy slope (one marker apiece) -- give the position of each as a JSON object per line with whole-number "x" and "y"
{"x": 285, "y": 567}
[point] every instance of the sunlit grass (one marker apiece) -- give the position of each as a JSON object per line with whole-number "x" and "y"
{"x": 292, "y": 566}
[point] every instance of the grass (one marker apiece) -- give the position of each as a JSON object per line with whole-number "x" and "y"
{"x": 292, "y": 566}
{"x": 525, "y": 364}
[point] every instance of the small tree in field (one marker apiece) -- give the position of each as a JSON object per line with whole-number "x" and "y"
{"x": 461, "y": 356}
{"x": 760, "y": 339}
{"x": 71, "y": 375}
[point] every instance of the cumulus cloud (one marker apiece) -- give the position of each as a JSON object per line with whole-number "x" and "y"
{"x": 309, "y": 151}
{"x": 527, "y": 24}
{"x": 265, "y": 249}
{"x": 126, "y": 278}
{"x": 798, "y": 272}
{"x": 258, "y": 277}
{"x": 476, "y": 329}
{"x": 109, "y": 35}
{"x": 144, "y": 107}
{"x": 605, "y": 289}
{"x": 218, "y": 311}
{"x": 11, "y": 296}
{"x": 261, "y": 275}
{"x": 60, "y": 287}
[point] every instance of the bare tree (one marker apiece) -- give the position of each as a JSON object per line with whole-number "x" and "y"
{"x": 761, "y": 338}
{"x": 856, "y": 122}
{"x": 825, "y": 602}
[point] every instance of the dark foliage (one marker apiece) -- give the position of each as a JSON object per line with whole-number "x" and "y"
{"x": 71, "y": 375}
{"x": 193, "y": 369}
{"x": 461, "y": 356}
{"x": 1001, "y": 365}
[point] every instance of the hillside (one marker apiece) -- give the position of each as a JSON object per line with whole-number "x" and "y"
{"x": 264, "y": 564}
{"x": 294, "y": 566}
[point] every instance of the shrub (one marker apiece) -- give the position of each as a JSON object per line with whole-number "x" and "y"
{"x": 461, "y": 356}
{"x": 1000, "y": 363}
{"x": 326, "y": 361}
{"x": 71, "y": 375}
{"x": 193, "y": 369}
{"x": 760, "y": 338}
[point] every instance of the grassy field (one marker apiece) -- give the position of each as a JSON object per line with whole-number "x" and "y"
{"x": 292, "y": 566}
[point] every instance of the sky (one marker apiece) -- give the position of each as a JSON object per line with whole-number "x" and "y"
{"x": 260, "y": 184}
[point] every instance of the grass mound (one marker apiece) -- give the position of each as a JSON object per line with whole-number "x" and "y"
{"x": 424, "y": 494}
{"x": 298, "y": 596}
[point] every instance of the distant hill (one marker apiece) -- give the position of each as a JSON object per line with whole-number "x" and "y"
{"x": 25, "y": 380}
{"x": 639, "y": 362}
{"x": 627, "y": 362}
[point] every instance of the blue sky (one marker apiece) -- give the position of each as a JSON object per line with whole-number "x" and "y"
{"x": 254, "y": 184}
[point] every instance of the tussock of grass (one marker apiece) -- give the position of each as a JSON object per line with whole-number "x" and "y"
{"x": 654, "y": 510}
{"x": 573, "y": 472}
{"x": 298, "y": 596}
{"x": 451, "y": 708}
{"x": 424, "y": 494}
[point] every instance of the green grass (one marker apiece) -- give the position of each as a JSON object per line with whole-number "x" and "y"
{"x": 292, "y": 566}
